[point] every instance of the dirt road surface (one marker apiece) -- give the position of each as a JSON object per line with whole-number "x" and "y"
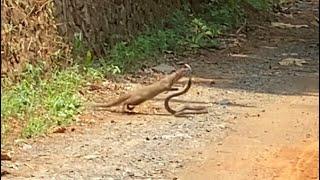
{"x": 262, "y": 121}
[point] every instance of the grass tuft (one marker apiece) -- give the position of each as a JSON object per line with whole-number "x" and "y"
{"x": 43, "y": 103}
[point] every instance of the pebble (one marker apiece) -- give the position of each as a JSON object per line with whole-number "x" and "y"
{"x": 91, "y": 157}
{"x": 224, "y": 102}
{"x": 26, "y": 147}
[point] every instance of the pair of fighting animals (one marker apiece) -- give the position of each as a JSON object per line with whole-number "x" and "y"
{"x": 134, "y": 98}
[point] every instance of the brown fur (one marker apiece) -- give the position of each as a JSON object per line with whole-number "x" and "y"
{"x": 134, "y": 98}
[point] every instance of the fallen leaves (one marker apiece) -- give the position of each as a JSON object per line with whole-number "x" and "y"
{"x": 292, "y": 61}
{"x": 5, "y": 156}
{"x": 284, "y": 25}
{"x": 4, "y": 172}
{"x": 60, "y": 130}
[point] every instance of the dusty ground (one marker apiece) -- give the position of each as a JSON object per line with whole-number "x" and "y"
{"x": 279, "y": 144}
{"x": 262, "y": 121}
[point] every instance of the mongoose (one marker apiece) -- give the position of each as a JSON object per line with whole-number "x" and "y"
{"x": 134, "y": 98}
{"x": 181, "y": 110}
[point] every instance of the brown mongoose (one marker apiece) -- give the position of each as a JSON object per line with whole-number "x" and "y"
{"x": 134, "y": 98}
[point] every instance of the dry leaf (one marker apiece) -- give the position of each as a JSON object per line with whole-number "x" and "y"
{"x": 292, "y": 61}
{"x": 93, "y": 87}
{"x": 4, "y": 172}
{"x": 5, "y": 156}
{"x": 284, "y": 25}
{"x": 60, "y": 130}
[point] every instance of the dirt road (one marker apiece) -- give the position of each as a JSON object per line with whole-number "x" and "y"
{"x": 278, "y": 142}
{"x": 262, "y": 121}
{"x": 275, "y": 140}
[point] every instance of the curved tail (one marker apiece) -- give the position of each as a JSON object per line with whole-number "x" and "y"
{"x": 115, "y": 102}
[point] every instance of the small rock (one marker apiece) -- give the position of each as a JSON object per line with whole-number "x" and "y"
{"x": 106, "y": 83}
{"x": 91, "y": 157}
{"x": 13, "y": 166}
{"x": 147, "y": 70}
{"x": 164, "y": 68}
{"x": 190, "y": 117}
{"x": 5, "y": 156}
{"x": 307, "y": 136}
{"x": 112, "y": 121}
{"x": 93, "y": 87}
{"x": 224, "y": 102}
{"x": 147, "y": 138}
{"x": 19, "y": 141}
{"x": 221, "y": 126}
{"x": 131, "y": 174}
{"x": 26, "y": 147}
{"x": 179, "y": 166}
{"x": 4, "y": 172}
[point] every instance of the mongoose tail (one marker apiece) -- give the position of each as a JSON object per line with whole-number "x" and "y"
{"x": 114, "y": 102}
{"x": 134, "y": 98}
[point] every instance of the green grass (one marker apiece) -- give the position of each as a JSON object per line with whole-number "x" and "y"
{"x": 261, "y": 5}
{"x": 40, "y": 103}
{"x": 180, "y": 32}
{"x": 43, "y": 103}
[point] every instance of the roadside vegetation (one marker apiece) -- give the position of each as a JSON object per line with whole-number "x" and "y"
{"x": 40, "y": 101}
